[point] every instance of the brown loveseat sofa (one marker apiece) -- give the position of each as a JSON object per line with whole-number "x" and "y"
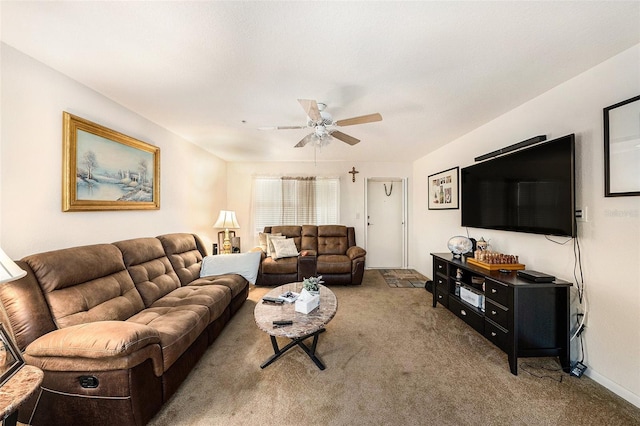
{"x": 115, "y": 327}
{"x": 327, "y": 250}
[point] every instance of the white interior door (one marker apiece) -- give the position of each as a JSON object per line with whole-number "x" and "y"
{"x": 385, "y": 241}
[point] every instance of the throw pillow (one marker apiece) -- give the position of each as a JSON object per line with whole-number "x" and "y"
{"x": 245, "y": 264}
{"x": 262, "y": 236}
{"x": 270, "y": 238}
{"x": 284, "y": 248}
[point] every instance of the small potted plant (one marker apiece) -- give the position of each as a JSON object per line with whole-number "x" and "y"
{"x": 312, "y": 284}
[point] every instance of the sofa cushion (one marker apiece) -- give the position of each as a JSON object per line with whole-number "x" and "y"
{"x": 333, "y": 264}
{"x": 184, "y": 254}
{"x": 287, "y": 265}
{"x": 235, "y": 283}
{"x": 149, "y": 268}
{"x": 309, "y": 240}
{"x": 245, "y": 264}
{"x": 215, "y": 297}
{"x": 289, "y": 231}
{"x": 177, "y": 326}
{"x": 86, "y": 284}
{"x": 332, "y": 239}
{"x": 26, "y": 310}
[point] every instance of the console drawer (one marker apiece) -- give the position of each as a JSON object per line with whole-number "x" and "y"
{"x": 467, "y": 313}
{"x": 496, "y": 313}
{"x": 442, "y": 296}
{"x": 439, "y": 266}
{"x": 496, "y": 291}
{"x": 441, "y": 282}
{"x": 496, "y": 334}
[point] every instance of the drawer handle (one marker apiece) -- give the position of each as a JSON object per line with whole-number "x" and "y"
{"x": 494, "y": 334}
{"x": 463, "y": 312}
{"x": 439, "y": 296}
{"x": 439, "y": 266}
{"x": 493, "y": 290}
{"x": 494, "y": 313}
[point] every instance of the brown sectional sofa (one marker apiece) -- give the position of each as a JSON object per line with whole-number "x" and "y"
{"x": 117, "y": 327}
{"x": 327, "y": 250}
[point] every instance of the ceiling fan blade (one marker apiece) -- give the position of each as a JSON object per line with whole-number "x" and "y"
{"x": 370, "y": 118}
{"x": 281, "y": 127}
{"x": 305, "y": 140}
{"x": 310, "y": 107}
{"x": 344, "y": 137}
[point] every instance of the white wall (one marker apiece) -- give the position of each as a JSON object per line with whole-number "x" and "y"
{"x": 193, "y": 181}
{"x": 352, "y": 195}
{"x": 610, "y": 240}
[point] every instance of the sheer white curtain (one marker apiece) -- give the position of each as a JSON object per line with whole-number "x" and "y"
{"x": 295, "y": 201}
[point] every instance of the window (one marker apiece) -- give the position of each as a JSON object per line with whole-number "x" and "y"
{"x": 295, "y": 201}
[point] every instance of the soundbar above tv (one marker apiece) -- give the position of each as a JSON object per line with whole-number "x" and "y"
{"x": 531, "y": 190}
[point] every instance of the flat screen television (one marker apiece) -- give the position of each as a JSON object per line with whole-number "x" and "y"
{"x": 531, "y": 190}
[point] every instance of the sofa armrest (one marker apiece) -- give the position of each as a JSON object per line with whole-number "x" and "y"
{"x": 100, "y": 339}
{"x": 99, "y": 346}
{"x": 355, "y": 252}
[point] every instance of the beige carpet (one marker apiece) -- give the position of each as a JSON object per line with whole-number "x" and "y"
{"x": 403, "y": 278}
{"x": 391, "y": 359}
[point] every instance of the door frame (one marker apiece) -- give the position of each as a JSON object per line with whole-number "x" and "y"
{"x": 405, "y": 209}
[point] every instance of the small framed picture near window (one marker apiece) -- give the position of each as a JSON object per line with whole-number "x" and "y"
{"x": 622, "y": 148}
{"x": 444, "y": 189}
{"x": 10, "y": 358}
{"x": 107, "y": 170}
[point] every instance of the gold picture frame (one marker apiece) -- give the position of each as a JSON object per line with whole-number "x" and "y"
{"x": 107, "y": 170}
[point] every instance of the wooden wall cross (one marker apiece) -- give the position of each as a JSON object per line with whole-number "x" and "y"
{"x": 353, "y": 174}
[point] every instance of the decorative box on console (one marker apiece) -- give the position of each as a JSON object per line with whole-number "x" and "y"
{"x": 472, "y": 297}
{"x": 307, "y": 302}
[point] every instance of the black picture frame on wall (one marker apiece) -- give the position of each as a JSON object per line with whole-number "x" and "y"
{"x": 622, "y": 148}
{"x": 444, "y": 189}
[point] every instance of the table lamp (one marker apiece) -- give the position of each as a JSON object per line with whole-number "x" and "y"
{"x": 227, "y": 220}
{"x": 9, "y": 271}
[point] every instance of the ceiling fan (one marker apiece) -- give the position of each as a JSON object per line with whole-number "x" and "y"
{"x": 323, "y": 125}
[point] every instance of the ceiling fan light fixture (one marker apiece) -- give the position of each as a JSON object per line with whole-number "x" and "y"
{"x": 318, "y": 119}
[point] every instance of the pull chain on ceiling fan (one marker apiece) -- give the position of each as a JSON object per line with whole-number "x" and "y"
{"x": 323, "y": 125}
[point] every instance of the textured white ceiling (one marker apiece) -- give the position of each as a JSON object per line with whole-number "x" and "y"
{"x": 213, "y": 72}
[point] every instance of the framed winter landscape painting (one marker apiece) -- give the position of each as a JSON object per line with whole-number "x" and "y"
{"x": 106, "y": 170}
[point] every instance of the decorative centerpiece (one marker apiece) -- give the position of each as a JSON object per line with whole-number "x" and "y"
{"x": 459, "y": 245}
{"x": 312, "y": 284}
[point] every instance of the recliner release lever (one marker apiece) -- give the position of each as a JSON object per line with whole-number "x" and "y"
{"x": 88, "y": 381}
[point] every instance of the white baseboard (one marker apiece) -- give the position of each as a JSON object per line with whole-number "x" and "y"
{"x": 613, "y": 387}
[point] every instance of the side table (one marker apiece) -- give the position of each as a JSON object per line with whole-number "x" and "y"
{"x": 22, "y": 385}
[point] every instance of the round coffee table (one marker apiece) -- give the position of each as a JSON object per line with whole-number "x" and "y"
{"x": 303, "y": 326}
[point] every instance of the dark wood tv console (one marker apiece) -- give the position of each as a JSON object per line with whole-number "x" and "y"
{"x": 523, "y": 318}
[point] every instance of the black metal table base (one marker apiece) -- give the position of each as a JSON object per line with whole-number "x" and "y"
{"x": 299, "y": 341}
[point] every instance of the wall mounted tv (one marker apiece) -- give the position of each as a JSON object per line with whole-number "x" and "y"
{"x": 531, "y": 190}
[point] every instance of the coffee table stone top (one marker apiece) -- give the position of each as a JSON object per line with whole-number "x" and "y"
{"x": 303, "y": 324}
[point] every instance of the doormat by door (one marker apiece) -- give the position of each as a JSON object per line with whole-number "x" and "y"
{"x": 403, "y": 278}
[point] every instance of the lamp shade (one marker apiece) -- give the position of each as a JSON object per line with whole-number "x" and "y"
{"x": 227, "y": 220}
{"x": 9, "y": 271}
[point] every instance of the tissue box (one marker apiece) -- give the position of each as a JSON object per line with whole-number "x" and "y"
{"x": 307, "y": 302}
